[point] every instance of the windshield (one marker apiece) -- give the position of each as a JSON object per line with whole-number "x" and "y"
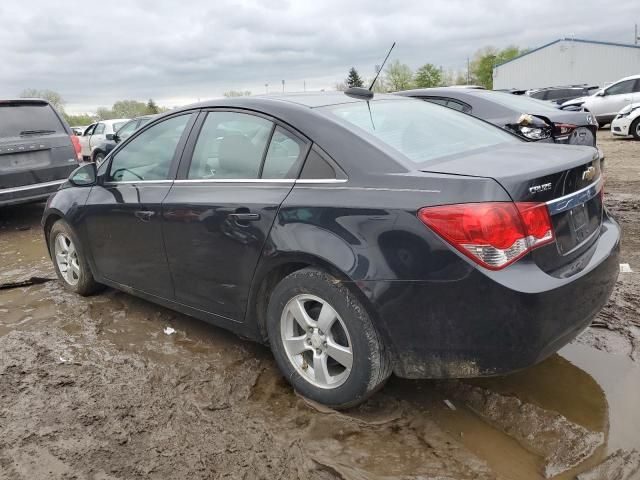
{"x": 117, "y": 125}
{"x": 522, "y": 103}
{"x": 421, "y": 131}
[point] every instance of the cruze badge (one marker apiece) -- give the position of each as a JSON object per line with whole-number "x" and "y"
{"x": 540, "y": 188}
{"x": 589, "y": 174}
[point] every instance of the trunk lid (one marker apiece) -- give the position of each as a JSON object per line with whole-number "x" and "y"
{"x": 568, "y": 179}
{"x": 35, "y": 146}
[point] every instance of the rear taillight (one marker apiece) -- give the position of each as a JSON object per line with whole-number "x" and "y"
{"x": 493, "y": 234}
{"x": 76, "y": 146}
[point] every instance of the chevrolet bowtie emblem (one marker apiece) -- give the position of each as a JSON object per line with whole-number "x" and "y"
{"x": 589, "y": 173}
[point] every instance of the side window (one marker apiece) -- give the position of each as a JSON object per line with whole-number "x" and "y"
{"x": 127, "y": 129}
{"x": 150, "y": 154}
{"x": 231, "y": 145}
{"x": 89, "y": 130}
{"x": 461, "y": 107}
{"x": 538, "y": 95}
{"x": 284, "y": 155}
{"x": 621, "y": 88}
{"x": 439, "y": 101}
{"x": 317, "y": 167}
{"x": 637, "y": 87}
{"x": 99, "y": 129}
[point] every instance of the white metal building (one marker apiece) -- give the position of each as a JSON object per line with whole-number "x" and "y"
{"x": 568, "y": 61}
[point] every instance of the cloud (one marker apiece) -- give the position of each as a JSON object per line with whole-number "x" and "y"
{"x": 177, "y": 52}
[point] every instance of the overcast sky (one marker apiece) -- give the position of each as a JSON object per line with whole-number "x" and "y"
{"x": 95, "y": 53}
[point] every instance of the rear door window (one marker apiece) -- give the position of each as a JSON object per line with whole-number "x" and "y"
{"x": 99, "y": 129}
{"x": 284, "y": 155}
{"x": 231, "y": 145}
{"x": 18, "y": 119}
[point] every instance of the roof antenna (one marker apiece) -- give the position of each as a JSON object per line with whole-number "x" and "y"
{"x": 381, "y": 67}
{"x": 368, "y": 92}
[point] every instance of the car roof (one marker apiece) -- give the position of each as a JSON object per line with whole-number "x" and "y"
{"x": 304, "y": 99}
{"x": 114, "y": 120}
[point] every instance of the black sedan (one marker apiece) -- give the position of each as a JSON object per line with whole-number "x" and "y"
{"x": 357, "y": 237}
{"x": 531, "y": 119}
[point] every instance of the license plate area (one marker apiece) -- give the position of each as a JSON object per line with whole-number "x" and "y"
{"x": 577, "y": 225}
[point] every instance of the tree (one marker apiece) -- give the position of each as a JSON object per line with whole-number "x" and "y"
{"x": 104, "y": 113}
{"x": 54, "y": 98}
{"x": 79, "y": 120}
{"x": 237, "y": 93}
{"x": 353, "y": 79}
{"x": 398, "y": 76}
{"x": 428, "y": 76}
{"x": 152, "y": 108}
{"x": 129, "y": 109}
{"x": 485, "y": 60}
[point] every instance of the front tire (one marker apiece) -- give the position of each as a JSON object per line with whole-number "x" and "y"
{"x": 634, "y": 129}
{"x": 69, "y": 262}
{"x": 324, "y": 341}
{"x": 98, "y": 158}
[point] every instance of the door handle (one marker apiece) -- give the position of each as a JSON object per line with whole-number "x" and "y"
{"x": 245, "y": 217}
{"x": 144, "y": 215}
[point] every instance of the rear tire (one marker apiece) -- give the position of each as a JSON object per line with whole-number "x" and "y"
{"x": 338, "y": 358}
{"x": 634, "y": 129}
{"x": 69, "y": 260}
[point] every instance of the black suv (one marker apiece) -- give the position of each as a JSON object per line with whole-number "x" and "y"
{"x": 37, "y": 150}
{"x": 560, "y": 95}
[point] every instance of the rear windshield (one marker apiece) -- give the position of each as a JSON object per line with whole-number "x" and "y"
{"x": 421, "y": 131}
{"x": 522, "y": 103}
{"x": 27, "y": 119}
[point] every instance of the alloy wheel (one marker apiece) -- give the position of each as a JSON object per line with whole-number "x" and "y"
{"x": 316, "y": 341}
{"x": 67, "y": 259}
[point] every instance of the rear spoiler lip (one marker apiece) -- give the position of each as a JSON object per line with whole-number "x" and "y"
{"x": 24, "y": 101}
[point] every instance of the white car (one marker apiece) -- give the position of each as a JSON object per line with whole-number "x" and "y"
{"x": 96, "y": 133}
{"x": 608, "y": 101}
{"x": 627, "y": 122}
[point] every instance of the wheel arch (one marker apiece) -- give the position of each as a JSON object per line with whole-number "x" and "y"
{"x": 271, "y": 272}
{"x": 50, "y": 217}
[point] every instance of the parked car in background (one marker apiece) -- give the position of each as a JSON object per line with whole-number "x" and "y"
{"x": 96, "y": 133}
{"x": 607, "y": 102}
{"x": 358, "y": 235}
{"x": 627, "y": 122}
{"x": 78, "y": 130}
{"x": 37, "y": 150}
{"x": 560, "y": 95}
{"x": 102, "y": 149}
{"x": 526, "y": 117}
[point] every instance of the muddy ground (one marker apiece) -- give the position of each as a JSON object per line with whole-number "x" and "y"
{"x": 93, "y": 388}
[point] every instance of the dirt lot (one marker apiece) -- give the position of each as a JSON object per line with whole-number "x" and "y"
{"x": 93, "y": 388}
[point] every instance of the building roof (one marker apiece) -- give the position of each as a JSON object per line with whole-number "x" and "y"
{"x": 566, "y": 39}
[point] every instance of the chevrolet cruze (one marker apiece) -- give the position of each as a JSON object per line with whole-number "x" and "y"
{"x": 358, "y": 236}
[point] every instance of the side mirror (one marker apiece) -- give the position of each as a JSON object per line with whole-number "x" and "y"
{"x": 110, "y": 136}
{"x": 116, "y": 138}
{"x": 84, "y": 176}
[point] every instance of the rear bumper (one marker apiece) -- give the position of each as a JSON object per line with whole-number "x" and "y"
{"x": 491, "y": 323}
{"x": 28, "y": 193}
